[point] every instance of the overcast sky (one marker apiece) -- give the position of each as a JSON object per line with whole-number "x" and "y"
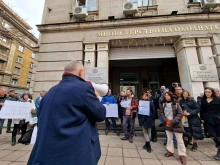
{"x": 30, "y": 10}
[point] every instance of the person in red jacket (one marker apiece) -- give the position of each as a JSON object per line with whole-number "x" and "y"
{"x": 129, "y": 114}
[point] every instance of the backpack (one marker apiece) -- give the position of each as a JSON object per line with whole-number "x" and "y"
{"x": 26, "y": 139}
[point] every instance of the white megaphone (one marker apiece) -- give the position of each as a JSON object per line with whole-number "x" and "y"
{"x": 102, "y": 89}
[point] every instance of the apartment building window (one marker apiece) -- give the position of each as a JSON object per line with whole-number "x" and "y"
{"x": 1, "y": 64}
{"x": 32, "y": 44}
{"x": 31, "y": 65}
{"x": 90, "y": 4}
{"x": 3, "y": 39}
{"x": 29, "y": 75}
{"x": 19, "y": 35}
{"x": 7, "y": 26}
{"x": 15, "y": 82}
{"x": 28, "y": 84}
{"x": 144, "y": 3}
{"x": 21, "y": 48}
{"x": 17, "y": 71}
{"x": 19, "y": 60}
{"x": 26, "y": 40}
{"x": 33, "y": 55}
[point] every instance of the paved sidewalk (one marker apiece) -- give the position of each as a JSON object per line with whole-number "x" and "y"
{"x": 117, "y": 152}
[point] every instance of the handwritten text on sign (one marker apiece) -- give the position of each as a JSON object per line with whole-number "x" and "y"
{"x": 15, "y": 110}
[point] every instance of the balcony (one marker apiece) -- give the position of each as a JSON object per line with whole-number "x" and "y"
{"x": 3, "y": 55}
{"x": 5, "y": 44}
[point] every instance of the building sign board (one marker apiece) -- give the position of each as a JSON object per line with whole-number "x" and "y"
{"x": 203, "y": 73}
{"x": 96, "y": 75}
{"x": 174, "y": 29}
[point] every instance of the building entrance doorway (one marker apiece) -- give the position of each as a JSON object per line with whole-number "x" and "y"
{"x": 142, "y": 74}
{"x": 129, "y": 80}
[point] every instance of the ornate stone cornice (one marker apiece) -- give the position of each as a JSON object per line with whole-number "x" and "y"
{"x": 101, "y": 24}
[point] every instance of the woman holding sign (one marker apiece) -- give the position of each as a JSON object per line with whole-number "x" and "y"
{"x": 21, "y": 123}
{"x": 171, "y": 114}
{"x": 191, "y": 110}
{"x": 146, "y": 115}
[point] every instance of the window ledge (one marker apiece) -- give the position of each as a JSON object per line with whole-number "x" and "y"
{"x": 194, "y": 4}
{"x": 146, "y": 8}
{"x": 93, "y": 12}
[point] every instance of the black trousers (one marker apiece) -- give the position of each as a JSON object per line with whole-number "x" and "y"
{"x": 23, "y": 128}
{"x": 153, "y": 131}
{"x": 214, "y": 132}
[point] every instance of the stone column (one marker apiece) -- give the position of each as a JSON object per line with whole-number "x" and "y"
{"x": 216, "y": 50}
{"x": 205, "y": 57}
{"x": 90, "y": 57}
{"x": 8, "y": 68}
{"x": 187, "y": 55}
{"x": 102, "y": 58}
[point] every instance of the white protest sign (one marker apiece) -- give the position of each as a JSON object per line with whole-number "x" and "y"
{"x": 144, "y": 108}
{"x": 111, "y": 110}
{"x": 15, "y": 110}
{"x": 125, "y": 104}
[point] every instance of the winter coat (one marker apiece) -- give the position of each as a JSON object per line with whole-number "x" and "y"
{"x": 134, "y": 107}
{"x": 12, "y": 98}
{"x": 108, "y": 99}
{"x": 194, "y": 130}
{"x": 120, "y": 109}
{"x": 17, "y": 121}
{"x": 210, "y": 112}
{"x": 67, "y": 130}
{"x": 147, "y": 121}
{"x": 176, "y": 123}
{"x": 156, "y": 106}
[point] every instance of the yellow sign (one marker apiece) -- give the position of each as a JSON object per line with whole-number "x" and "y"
{"x": 159, "y": 30}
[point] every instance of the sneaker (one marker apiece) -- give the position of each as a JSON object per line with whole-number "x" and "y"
{"x": 131, "y": 139}
{"x": 168, "y": 154}
{"x": 194, "y": 147}
{"x": 154, "y": 140}
{"x": 124, "y": 138}
{"x": 106, "y": 132}
{"x": 117, "y": 133}
{"x": 217, "y": 156}
{"x": 183, "y": 159}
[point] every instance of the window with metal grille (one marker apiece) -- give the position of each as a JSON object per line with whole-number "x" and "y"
{"x": 145, "y": 3}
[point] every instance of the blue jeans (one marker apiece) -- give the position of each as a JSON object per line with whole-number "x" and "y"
{"x": 1, "y": 123}
{"x": 107, "y": 124}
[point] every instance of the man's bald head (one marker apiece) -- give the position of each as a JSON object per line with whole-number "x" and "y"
{"x": 3, "y": 91}
{"x": 75, "y": 67}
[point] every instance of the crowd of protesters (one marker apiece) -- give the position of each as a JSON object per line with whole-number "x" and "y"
{"x": 181, "y": 116}
{"x": 20, "y": 126}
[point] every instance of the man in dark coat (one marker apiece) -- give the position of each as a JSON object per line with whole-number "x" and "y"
{"x": 67, "y": 131}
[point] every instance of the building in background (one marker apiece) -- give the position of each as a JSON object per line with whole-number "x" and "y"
{"x": 17, "y": 58}
{"x": 139, "y": 43}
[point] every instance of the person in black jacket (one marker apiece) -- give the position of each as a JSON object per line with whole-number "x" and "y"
{"x": 120, "y": 110}
{"x": 191, "y": 110}
{"x": 156, "y": 106}
{"x": 146, "y": 122}
{"x": 210, "y": 113}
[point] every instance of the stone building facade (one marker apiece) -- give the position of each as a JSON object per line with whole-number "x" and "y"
{"x": 160, "y": 43}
